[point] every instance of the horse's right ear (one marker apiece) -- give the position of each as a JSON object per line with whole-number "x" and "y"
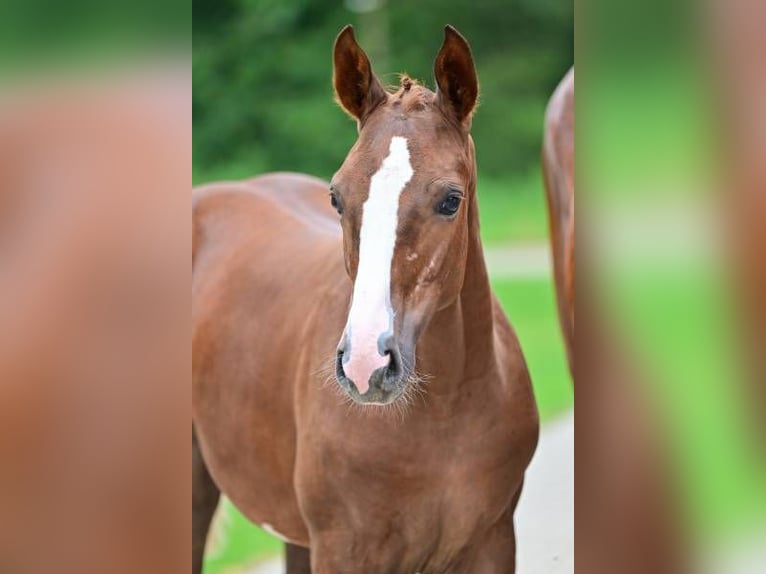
{"x": 356, "y": 87}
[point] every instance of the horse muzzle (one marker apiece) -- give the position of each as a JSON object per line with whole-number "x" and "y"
{"x": 371, "y": 378}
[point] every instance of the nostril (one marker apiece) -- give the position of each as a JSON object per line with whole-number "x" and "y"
{"x": 386, "y": 344}
{"x": 387, "y": 347}
{"x": 394, "y": 368}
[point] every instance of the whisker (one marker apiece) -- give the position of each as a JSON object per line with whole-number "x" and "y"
{"x": 414, "y": 391}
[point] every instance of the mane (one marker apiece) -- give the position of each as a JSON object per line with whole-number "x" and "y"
{"x": 410, "y": 94}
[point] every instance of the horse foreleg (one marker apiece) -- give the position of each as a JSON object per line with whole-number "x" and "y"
{"x": 297, "y": 559}
{"x": 205, "y": 496}
{"x": 497, "y": 555}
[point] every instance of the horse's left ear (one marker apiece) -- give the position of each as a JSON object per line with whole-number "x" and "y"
{"x": 456, "y": 76}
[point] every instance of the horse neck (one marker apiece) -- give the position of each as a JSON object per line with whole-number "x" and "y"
{"x": 458, "y": 344}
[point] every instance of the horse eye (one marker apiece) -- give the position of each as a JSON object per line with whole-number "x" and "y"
{"x": 335, "y": 203}
{"x": 450, "y": 204}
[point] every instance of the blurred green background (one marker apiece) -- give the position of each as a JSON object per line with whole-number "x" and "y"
{"x": 40, "y": 37}
{"x": 263, "y": 101}
{"x": 263, "y": 76}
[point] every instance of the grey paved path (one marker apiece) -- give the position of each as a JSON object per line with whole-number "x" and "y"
{"x": 545, "y": 518}
{"x": 518, "y": 260}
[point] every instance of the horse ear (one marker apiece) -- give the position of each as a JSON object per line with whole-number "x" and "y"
{"x": 356, "y": 87}
{"x": 456, "y": 76}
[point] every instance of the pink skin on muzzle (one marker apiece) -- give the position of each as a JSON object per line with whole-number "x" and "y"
{"x": 362, "y": 357}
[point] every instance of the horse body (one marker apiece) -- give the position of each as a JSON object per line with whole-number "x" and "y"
{"x": 248, "y": 352}
{"x": 366, "y": 477}
{"x": 259, "y": 397}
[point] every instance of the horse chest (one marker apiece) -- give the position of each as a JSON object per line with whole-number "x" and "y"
{"x": 408, "y": 499}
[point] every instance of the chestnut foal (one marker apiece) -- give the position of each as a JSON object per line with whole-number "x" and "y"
{"x": 293, "y": 313}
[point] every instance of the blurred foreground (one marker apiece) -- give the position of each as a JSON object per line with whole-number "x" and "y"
{"x": 670, "y": 472}
{"x": 94, "y": 314}
{"x": 94, "y": 238}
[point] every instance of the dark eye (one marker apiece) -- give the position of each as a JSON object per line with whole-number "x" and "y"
{"x": 335, "y": 203}
{"x": 450, "y": 204}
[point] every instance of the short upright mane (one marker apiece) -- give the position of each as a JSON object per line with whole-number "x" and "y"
{"x": 410, "y": 95}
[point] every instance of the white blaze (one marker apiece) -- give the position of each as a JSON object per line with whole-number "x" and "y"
{"x": 371, "y": 315}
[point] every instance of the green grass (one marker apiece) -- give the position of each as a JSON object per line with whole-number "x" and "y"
{"x": 531, "y": 307}
{"x": 512, "y": 210}
{"x": 236, "y": 542}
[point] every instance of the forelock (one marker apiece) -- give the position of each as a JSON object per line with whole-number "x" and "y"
{"x": 411, "y": 96}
